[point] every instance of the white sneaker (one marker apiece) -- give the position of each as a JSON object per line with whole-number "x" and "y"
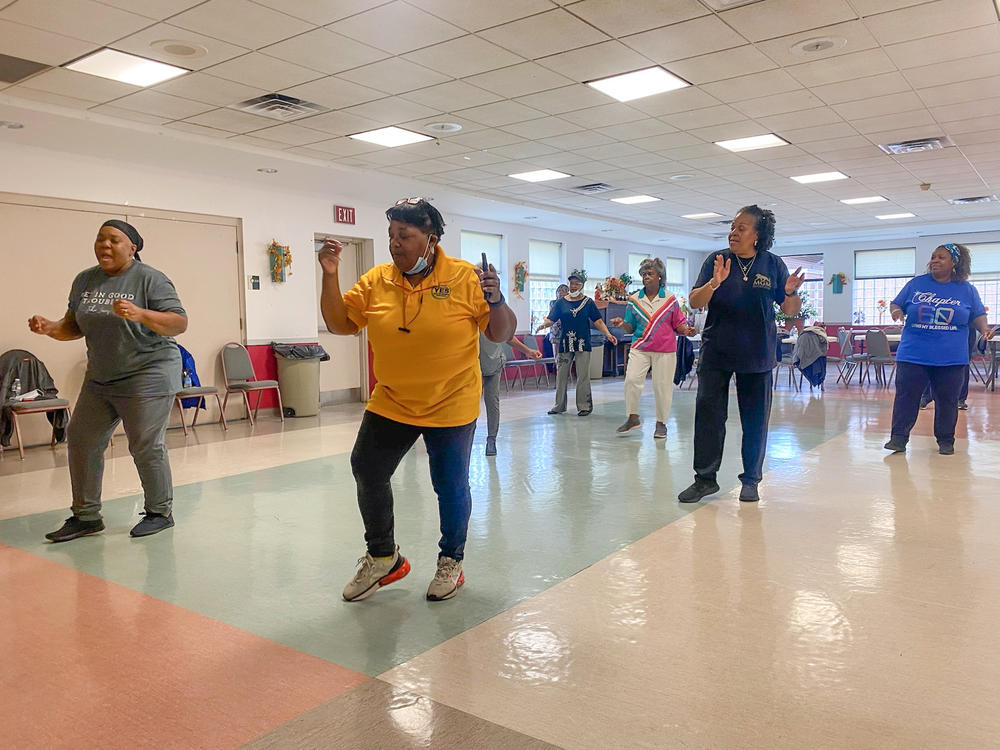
{"x": 447, "y": 581}
{"x": 374, "y": 574}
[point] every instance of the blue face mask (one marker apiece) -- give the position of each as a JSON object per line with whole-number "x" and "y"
{"x": 421, "y": 263}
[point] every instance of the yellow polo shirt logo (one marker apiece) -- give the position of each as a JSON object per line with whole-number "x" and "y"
{"x": 441, "y": 291}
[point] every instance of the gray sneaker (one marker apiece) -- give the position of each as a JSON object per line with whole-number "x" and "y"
{"x": 152, "y": 523}
{"x": 374, "y": 574}
{"x": 628, "y": 425}
{"x": 447, "y": 581}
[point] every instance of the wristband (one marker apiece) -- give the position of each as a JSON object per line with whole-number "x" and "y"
{"x": 497, "y": 303}
{"x": 715, "y": 288}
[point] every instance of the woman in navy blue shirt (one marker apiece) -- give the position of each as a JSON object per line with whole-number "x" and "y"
{"x": 939, "y": 308}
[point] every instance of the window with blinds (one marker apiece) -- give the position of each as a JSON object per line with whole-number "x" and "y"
{"x": 474, "y": 244}
{"x": 883, "y": 264}
{"x": 985, "y": 275}
{"x": 545, "y": 262}
{"x": 597, "y": 261}
{"x": 879, "y": 275}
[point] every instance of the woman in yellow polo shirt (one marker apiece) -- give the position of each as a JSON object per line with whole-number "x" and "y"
{"x": 424, "y": 312}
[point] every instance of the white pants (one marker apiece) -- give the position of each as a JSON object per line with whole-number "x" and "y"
{"x": 662, "y": 364}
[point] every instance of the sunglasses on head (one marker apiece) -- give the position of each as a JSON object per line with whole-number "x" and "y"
{"x": 408, "y": 201}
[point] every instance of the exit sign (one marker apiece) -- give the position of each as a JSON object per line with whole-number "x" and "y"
{"x": 343, "y": 215}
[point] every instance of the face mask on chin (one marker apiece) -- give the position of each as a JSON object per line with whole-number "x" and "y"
{"x": 574, "y": 295}
{"x": 421, "y": 263}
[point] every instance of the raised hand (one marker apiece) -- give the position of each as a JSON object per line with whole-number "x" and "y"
{"x": 720, "y": 270}
{"x": 38, "y": 324}
{"x": 490, "y": 282}
{"x": 794, "y": 281}
{"x": 329, "y": 256}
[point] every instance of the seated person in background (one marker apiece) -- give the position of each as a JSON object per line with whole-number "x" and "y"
{"x": 491, "y": 364}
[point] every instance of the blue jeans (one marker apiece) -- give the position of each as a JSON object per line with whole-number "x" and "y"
{"x": 380, "y": 446}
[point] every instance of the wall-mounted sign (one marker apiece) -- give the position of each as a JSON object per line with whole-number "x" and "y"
{"x": 343, "y": 215}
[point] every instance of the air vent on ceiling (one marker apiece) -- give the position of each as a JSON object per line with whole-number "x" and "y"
{"x": 14, "y": 69}
{"x": 593, "y": 188}
{"x": 920, "y": 144}
{"x": 976, "y": 199}
{"x": 280, "y": 107}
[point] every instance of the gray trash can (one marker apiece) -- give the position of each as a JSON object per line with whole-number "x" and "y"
{"x": 298, "y": 377}
{"x": 597, "y": 341}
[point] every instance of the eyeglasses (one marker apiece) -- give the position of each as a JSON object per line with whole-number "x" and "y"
{"x": 408, "y": 201}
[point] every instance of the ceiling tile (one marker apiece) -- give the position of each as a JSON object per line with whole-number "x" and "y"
{"x": 47, "y": 97}
{"x": 419, "y": 124}
{"x": 201, "y": 130}
{"x": 565, "y": 99}
{"x": 544, "y": 34}
{"x": 141, "y": 44}
{"x": 596, "y": 61}
{"x": 334, "y": 93}
{"x": 80, "y": 19}
{"x": 240, "y": 22}
{"x": 953, "y": 71}
{"x": 582, "y": 139}
{"x": 969, "y": 125}
{"x": 703, "y": 118}
{"x": 672, "y": 102}
{"x": 519, "y": 80}
{"x": 773, "y": 18}
{"x": 18, "y": 40}
{"x": 161, "y": 105}
{"x": 480, "y": 15}
{"x": 752, "y": 86}
{"x": 397, "y": 28}
{"x": 392, "y": 111}
{"x": 485, "y": 139}
{"x": 778, "y": 104}
{"x": 109, "y": 110}
{"x": 871, "y": 7}
{"x": 930, "y": 19}
{"x": 954, "y": 45}
{"x": 631, "y": 131}
{"x": 78, "y": 85}
{"x": 688, "y": 39}
{"x": 862, "y": 88}
{"x": 617, "y": 18}
{"x": 545, "y": 127}
{"x": 843, "y": 68}
{"x": 896, "y": 122}
{"x": 250, "y": 140}
{"x": 291, "y": 134}
{"x": 730, "y": 131}
{"x": 854, "y": 37}
{"x": 880, "y": 105}
{"x": 263, "y": 72}
{"x": 826, "y": 133}
{"x": 501, "y": 113}
{"x": 313, "y": 50}
{"x": 321, "y": 12}
{"x": 451, "y": 96}
{"x": 967, "y": 110}
{"x": 669, "y": 141}
{"x": 343, "y": 146}
{"x": 522, "y": 150}
{"x": 966, "y": 91}
{"x": 231, "y": 120}
{"x": 717, "y": 66}
{"x": 605, "y": 115}
{"x": 158, "y": 9}
{"x": 394, "y": 76}
{"x": 465, "y": 56}
{"x": 209, "y": 89}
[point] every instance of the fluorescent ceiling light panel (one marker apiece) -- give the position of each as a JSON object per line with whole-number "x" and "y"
{"x": 709, "y": 215}
{"x": 629, "y": 86}
{"x": 390, "y": 137}
{"x": 805, "y": 179}
{"x": 859, "y": 201}
{"x": 628, "y": 200}
{"x": 753, "y": 143}
{"x": 138, "y": 71}
{"x": 895, "y": 216}
{"x": 539, "y": 175}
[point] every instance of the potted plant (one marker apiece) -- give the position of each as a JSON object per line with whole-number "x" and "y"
{"x": 808, "y": 310}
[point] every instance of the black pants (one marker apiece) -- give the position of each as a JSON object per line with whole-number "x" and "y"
{"x": 911, "y": 380}
{"x": 753, "y": 394}
{"x": 380, "y": 446}
{"x": 962, "y": 395}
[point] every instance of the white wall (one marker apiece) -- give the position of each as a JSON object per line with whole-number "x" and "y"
{"x": 839, "y": 258}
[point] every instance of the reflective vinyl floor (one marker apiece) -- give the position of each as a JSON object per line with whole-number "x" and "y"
{"x": 855, "y": 606}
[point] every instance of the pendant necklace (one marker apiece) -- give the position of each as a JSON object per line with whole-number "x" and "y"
{"x": 745, "y": 269}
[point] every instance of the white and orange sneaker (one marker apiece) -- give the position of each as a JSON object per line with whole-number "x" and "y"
{"x": 374, "y": 573}
{"x": 447, "y": 581}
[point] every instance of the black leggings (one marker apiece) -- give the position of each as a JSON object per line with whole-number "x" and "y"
{"x": 911, "y": 380}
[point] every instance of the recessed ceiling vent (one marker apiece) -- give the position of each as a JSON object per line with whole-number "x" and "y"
{"x": 976, "y": 199}
{"x": 280, "y": 107}
{"x": 921, "y": 144}
{"x": 594, "y": 188}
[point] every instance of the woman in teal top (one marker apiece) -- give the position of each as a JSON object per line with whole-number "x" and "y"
{"x": 938, "y": 308}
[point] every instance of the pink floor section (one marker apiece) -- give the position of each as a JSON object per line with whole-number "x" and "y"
{"x": 88, "y": 664}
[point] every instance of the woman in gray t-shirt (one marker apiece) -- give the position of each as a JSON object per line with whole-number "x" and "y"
{"x": 128, "y": 313}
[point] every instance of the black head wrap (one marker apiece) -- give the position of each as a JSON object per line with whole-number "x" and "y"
{"x": 129, "y": 231}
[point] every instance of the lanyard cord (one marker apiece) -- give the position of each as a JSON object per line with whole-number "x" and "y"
{"x": 405, "y": 328}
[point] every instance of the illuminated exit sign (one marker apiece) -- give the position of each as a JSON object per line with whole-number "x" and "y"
{"x": 343, "y": 215}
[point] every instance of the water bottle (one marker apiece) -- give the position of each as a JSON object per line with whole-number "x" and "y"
{"x": 15, "y": 388}
{"x": 187, "y": 378}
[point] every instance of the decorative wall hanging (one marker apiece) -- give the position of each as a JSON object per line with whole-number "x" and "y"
{"x": 838, "y": 281}
{"x": 280, "y": 259}
{"x": 520, "y": 278}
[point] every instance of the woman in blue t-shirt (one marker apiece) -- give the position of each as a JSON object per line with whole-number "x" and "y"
{"x": 939, "y": 308}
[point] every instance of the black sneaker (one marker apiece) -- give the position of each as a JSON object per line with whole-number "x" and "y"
{"x": 962, "y": 406}
{"x": 73, "y": 527}
{"x": 152, "y": 523}
{"x": 749, "y": 494}
{"x": 555, "y": 411}
{"x": 895, "y": 446}
{"x": 584, "y": 413}
{"x": 946, "y": 449}
{"x": 491, "y": 446}
{"x": 698, "y": 490}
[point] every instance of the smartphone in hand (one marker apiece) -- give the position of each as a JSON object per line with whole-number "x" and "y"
{"x": 486, "y": 265}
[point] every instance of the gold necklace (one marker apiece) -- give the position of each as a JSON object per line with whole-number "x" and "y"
{"x": 745, "y": 269}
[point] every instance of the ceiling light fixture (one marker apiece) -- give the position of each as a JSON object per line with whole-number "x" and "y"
{"x": 708, "y": 215}
{"x": 638, "y": 84}
{"x": 443, "y": 127}
{"x": 179, "y": 48}
{"x": 817, "y": 45}
{"x": 539, "y": 175}
{"x": 119, "y": 66}
{"x": 629, "y": 200}
{"x": 10, "y": 124}
{"x": 883, "y": 217}
{"x": 859, "y": 201}
{"x": 806, "y": 179}
{"x": 267, "y": 170}
{"x": 390, "y": 137}
{"x": 752, "y": 143}
{"x": 681, "y": 177}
